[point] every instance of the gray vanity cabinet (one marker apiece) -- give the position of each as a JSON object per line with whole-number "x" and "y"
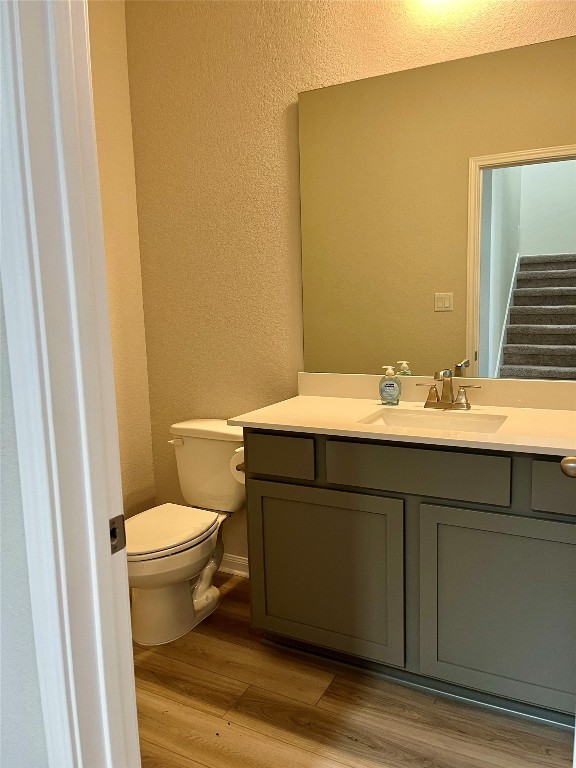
{"x": 498, "y": 605}
{"x": 457, "y": 565}
{"x": 327, "y": 568}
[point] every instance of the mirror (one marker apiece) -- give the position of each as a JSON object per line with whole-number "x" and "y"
{"x": 385, "y": 197}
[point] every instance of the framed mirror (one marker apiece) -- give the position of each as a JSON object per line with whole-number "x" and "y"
{"x": 391, "y": 213}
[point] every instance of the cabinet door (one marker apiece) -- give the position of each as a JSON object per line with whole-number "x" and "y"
{"x": 326, "y": 567}
{"x": 497, "y": 605}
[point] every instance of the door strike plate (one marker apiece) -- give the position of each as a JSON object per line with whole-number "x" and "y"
{"x": 117, "y": 534}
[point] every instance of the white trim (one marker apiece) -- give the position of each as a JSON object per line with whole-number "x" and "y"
{"x": 236, "y": 565}
{"x": 54, "y": 289}
{"x": 22, "y": 305}
{"x": 475, "y": 167}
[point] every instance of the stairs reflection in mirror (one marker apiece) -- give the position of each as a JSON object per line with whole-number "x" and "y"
{"x": 541, "y": 330}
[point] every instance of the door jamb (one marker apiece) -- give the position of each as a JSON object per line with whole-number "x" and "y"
{"x": 55, "y": 299}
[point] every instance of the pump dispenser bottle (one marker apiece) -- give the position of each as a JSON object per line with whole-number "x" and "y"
{"x": 390, "y": 387}
{"x": 404, "y": 368}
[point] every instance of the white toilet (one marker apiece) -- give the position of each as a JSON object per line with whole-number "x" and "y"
{"x": 174, "y": 551}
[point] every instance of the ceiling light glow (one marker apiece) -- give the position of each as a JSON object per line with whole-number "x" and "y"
{"x": 449, "y": 11}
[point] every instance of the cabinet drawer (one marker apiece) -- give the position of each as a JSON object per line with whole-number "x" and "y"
{"x": 280, "y": 456}
{"x": 441, "y": 474}
{"x": 552, "y": 491}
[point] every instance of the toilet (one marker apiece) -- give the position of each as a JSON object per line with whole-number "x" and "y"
{"x": 174, "y": 550}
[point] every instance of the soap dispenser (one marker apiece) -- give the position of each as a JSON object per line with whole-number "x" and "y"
{"x": 390, "y": 387}
{"x": 404, "y": 368}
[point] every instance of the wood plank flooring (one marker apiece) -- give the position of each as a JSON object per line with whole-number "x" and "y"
{"x": 219, "y": 698}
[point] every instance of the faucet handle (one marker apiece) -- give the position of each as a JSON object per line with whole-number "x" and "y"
{"x": 433, "y": 396}
{"x": 462, "y": 396}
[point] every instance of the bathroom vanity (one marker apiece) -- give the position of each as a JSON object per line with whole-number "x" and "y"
{"x": 446, "y": 553}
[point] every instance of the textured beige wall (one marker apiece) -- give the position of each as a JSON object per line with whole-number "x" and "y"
{"x": 384, "y": 189}
{"x": 118, "y": 193}
{"x": 213, "y": 89}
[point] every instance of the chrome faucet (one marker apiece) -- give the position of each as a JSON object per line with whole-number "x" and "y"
{"x": 446, "y": 401}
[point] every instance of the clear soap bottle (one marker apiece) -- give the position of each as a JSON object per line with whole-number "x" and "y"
{"x": 390, "y": 387}
{"x": 404, "y": 368}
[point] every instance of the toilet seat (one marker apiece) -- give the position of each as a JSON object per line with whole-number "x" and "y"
{"x": 168, "y": 529}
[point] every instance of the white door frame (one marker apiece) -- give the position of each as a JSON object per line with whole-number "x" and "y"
{"x": 476, "y": 166}
{"x": 54, "y": 287}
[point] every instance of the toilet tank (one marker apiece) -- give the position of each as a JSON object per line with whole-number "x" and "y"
{"x": 203, "y": 459}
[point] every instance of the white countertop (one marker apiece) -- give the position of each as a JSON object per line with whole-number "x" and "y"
{"x": 525, "y": 430}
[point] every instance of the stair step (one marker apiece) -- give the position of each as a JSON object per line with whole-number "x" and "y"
{"x": 552, "y": 261}
{"x": 565, "y": 314}
{"x": 541, "y": 334}
{"x": 539, "y": 355}
{"x": 555, "y": 335}
{"x": 547, "y": 279}
{"x": 523, "y": 297}
{"x": 536, "y": 372}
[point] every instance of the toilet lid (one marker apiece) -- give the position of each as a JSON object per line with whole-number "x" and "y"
{"x": 168, "y": 528}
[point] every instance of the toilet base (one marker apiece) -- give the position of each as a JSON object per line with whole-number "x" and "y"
{"x": 162, "y": 615}
{"x": 165, "y": 613}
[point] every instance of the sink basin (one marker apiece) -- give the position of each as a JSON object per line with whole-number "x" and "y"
{"x": 452, "y": 421}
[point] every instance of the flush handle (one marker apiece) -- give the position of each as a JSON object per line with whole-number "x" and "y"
{"x": 568, "y": 466}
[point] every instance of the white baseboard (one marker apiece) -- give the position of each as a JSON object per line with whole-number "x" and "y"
{"x": 236, "y": 565}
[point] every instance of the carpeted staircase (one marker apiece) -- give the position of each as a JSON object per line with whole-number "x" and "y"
{"x": 541, "y": 331}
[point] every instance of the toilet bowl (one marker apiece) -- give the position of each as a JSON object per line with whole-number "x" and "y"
{"x": 173, "y": 550}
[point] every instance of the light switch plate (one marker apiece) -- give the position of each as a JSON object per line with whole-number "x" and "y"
{"x": 443, "y": 302}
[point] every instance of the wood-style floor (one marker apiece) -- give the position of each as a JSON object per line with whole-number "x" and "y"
{"x": 218, "y": 698}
